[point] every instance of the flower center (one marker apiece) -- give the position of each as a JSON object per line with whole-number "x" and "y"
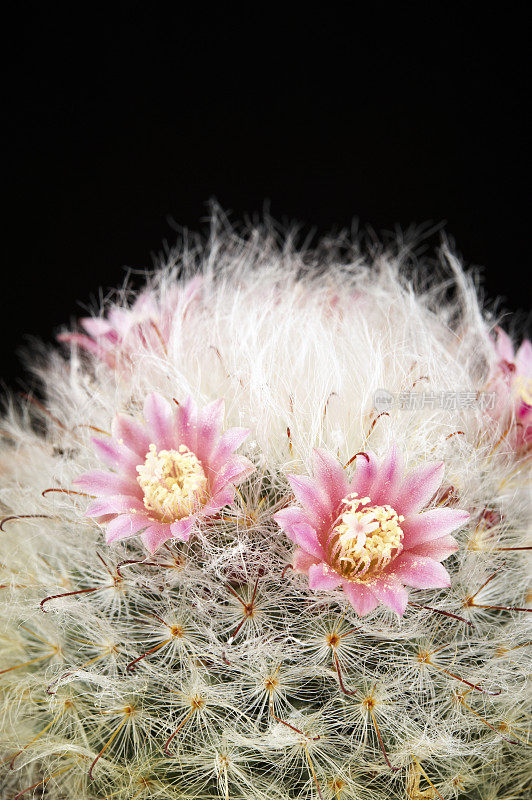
{"x": 173, "y": 482}
{"x": 523, "y": 389}
{"x": 365, "y": 538}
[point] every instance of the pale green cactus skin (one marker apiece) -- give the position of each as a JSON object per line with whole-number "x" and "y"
{"x": 246, "y": 684}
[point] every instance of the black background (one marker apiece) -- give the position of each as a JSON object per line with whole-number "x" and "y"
{"x": 121, "y": 121}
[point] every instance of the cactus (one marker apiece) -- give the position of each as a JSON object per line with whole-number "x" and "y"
{"x": 206, "y": 659}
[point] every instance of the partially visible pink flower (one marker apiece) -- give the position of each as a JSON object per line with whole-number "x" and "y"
{"x": 368, "y": 535}
{"x": 511, "y": 380}
{"x": 167, "y": 474}
{"x": 147, "y": 323}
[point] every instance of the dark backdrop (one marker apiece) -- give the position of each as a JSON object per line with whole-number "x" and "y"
{"x": 121, "y": 121}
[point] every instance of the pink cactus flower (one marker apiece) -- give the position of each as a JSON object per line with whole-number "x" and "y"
{"x": 511, "y": 380}
{"x": 368, "y": 536}
{"x": 146, "y": 324}
{"x": 167, "y": 474}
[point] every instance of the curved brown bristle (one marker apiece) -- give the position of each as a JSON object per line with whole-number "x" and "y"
{"x": 106, "y": 745}
{"x": 372, "y": 426}
{"x": 92, "y": 428}
{"x": 336, "y": 662}
{"x": 456, "y": 433}
{"x": 292, "y": 727}
{"x": 159, "y": 336}
{"x": 381, "y": 743}
{"x": 174, "y": 734}
{"x": 441, "y": 611}
{"x": 485, "y": 721}
{"x": 70, "y": 594}
{"x": 361, "y": 453}
{"x": 66, "y": 491}
{"x": 131, "y": 665}
{"x": 23, "y": 516}
{"x": 283, "y": 573}
{"x": 289, "y": 435}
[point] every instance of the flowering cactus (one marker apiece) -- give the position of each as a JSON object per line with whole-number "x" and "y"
{"x": 221, "y": 554}
{"x": 511, "y": 380}
{"x": 186, "y": 472}
{"x": 126, "y": 331}
{"x": 363, "y": 543}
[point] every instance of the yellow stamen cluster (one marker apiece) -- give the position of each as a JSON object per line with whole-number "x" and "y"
{"x": 365, "y": 538}
{"x": 173, "y": 482}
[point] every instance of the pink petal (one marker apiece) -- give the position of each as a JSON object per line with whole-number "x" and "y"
{"x": 523, "y": 359}
{"x": 120, "y": 504}
{"x": 210, "y": 421}
{"x": 389, "y": 473}
{"x": 124, "y": 526}
{"x": 294, "y": 522}
{"x": 182, "y": 528}
{"x": 432, "y": 524}
{"x": 361, "y": 598}
{"x": 504, "y": 346}
{"x": 310, "y": 497}
{"x": 365, "y": 474}
{"x": 438, "y": 549}
{"x": 419, "y": 487}
{"x": 391, "y": 592}
{"x": 186, "y": 422}
{"x": 224, "y": 497}
{"x": 115, "y": 455}
{"x": 154, "y": 536}
{"x": 100, "y": 483}
{"x": 523, "y": 412}
{"x": 246, "y": 468}
{"x": 229, "y": 442}
{"x": 160, "y": 421}
{"x": 306, "y": 537}
{"x": 96, "y": 326}
{"x": 287, "y": 517}
{"x": 302, "y": 561}
{"x": 420, "y": 572}
{"x": 126, "y": 430}
{"x": 233, "y": 471}
{"x": 120, "y": 319}
{"x": 321, "y": 576}
{"x": 85, "y": 342}
{"x": 330, "y": 478}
